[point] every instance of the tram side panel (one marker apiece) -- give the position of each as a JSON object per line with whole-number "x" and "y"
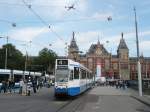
{"x": 77, "y": 82}
{"x": 74, "y": 81}
{"x": 73, "y": 88}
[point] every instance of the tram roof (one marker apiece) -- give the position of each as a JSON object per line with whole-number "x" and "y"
{"x": 19, "y": 72}
{"x": 75, "y": 63}
{"x": 5, "y": 71}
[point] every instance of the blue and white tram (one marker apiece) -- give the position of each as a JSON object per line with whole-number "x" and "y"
{"x": 71, "y": 78}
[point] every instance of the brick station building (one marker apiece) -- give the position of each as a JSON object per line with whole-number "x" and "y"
{"x": 117, "y": 66}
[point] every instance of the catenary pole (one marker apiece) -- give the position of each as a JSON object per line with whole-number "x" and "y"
{"x": 138, "y": 59}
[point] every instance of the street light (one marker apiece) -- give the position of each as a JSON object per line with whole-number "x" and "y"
{"x": 6, "y": 51}
{"x": 25, "y": 65}
{"x": 66, "y": 49}
{"x": 138, "y": 59}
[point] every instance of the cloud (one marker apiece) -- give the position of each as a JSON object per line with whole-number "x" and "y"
{"x": 59, "y": 47}
{"x": 144, "y": 45}
{"x": 56, "y": 8}
{"x": 144, "y": 33}
{"x": 86, "y": 39}
{"x": 47, "y": 9}
{"x": 28, "y": 33}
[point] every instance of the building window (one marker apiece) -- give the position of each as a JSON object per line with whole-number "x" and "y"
{"x": 133, "y": 68}
{"x": 115, "y": 66}
{"x": 106, "y": 64}
{"x": 124, "y": 66}
{"x": 90, "y": 63}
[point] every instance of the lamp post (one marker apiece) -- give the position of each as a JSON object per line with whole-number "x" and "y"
{"x": 30, "y": 59}
{"x": 138, "y": 59}
{"x": 66, "y": 49}
{"x": 25, "y": 64}
{"x": 6, "y": 52}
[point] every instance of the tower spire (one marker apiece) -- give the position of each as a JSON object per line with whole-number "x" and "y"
{"x": 122, "y": 44}
{"x": 73, "y": 42}
{"x": 73, "y": 35}
{"x": 98, "y": 43}
{"x": 122, "y": 35}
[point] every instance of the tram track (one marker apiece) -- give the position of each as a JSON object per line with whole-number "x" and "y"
{"x": 70, "y": 106}
{"x": 75, "y": 103}
{"x": 64, "y": 106}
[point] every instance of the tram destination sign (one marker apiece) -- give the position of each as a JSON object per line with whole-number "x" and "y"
{"x": 62, "y": 62}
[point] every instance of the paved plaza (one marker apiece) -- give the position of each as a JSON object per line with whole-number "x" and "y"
{"x": 98, "y": 99}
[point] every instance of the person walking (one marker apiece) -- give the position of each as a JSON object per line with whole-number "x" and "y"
{"x": 3, "y": 87}
{"x": 10, "y": 85}
{"x": 123, "y": 85}
{"x": 34, "y": 83}
{"x": 117, "y": 84}
{"x": 21, "y": 83}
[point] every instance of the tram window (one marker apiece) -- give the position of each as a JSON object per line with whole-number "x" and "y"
{"x": 88, "y": 75}
{"x": 76, "y": 73}
{"x": 3, "y": 77}
{"x": 17, "y": 78}
{"x": 71, "y": 75}
{"x": 83, "y": 74}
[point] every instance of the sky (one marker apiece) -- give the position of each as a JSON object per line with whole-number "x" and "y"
{"x": 49, "y": 23}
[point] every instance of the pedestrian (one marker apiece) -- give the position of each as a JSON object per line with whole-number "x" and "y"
{"x": 37, "y": 83}
{"x": 123, "y": 85}
{"x": 117, "y": 84}
{"x": 13, "y": 85}
{"x": 21, "y": 83}
{"x": 120, "y": 84}
{"x": 3, "y": 87}
{"x": 34, "y": 85}
{"x": 9, "y": 86}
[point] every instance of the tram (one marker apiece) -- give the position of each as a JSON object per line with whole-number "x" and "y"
{"x": 71, "y": 78}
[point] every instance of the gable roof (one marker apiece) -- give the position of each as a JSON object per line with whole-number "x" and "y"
{"x": 73, "y": 43}
{"x": 122, "y": 44}
{"x": 94, "y": 47}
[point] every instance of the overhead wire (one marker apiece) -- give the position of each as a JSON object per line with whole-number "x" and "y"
{"x": 26, "y": 43}
{"x": 19, "y": 4}
{"x": 29, "y": 6}
{"x": 43, "y": 21}
{"x": 9, "y": 22}
{"x": 56, "y": 21}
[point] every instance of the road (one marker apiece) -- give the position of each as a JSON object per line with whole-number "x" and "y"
{"x": 99, "y": 99}
{"x": 42, "y": 101}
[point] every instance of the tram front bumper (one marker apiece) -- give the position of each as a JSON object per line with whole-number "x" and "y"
{"x": 61, "y": 91}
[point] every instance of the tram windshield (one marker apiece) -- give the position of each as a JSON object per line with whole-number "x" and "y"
{"x": 62, "y": 75}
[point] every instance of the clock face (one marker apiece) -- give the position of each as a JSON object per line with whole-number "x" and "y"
{"x": 98, "y": 51}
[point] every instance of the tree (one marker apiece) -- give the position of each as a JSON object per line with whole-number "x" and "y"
{"x": 15, "y": 59}
{"x": 46, "y": 60}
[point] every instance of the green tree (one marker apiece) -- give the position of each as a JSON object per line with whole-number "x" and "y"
{"x": 45, "y": 61}
{"x": 15, "y": 59}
